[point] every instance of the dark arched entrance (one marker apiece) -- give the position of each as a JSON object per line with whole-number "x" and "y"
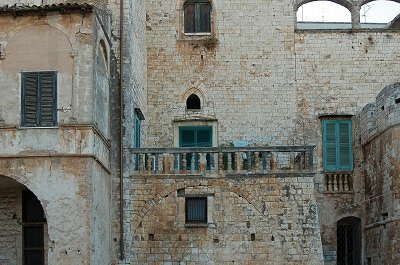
{"x": 24, "y": 223}
{"x": 349, "y": 241}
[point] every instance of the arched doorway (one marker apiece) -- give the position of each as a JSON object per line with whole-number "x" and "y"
{"x": 24, "y": 225}
{"x": 348, "y": 236}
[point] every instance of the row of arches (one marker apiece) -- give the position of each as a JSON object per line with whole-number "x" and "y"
{"x": 367, "y": 11}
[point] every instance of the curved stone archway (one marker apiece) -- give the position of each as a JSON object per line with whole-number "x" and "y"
{"x": 24, "y": 227}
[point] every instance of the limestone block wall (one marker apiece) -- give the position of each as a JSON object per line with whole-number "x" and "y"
{"x": 245, "y": 80}
{"x": 258, "y": 220}
{"x": 67, "y": 166}
{"x": 381, "y": 141}
{"x": 10, "y": 229}
{"x": 65, "y": 192}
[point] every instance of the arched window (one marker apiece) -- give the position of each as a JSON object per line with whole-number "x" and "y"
{"x": 378, "y": 12}
{"x": 323, "y": 15}
{"x": 193, "y": 102}
{"x": 197, "y": 16}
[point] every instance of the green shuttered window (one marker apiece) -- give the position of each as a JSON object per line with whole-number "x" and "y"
{"x": 337, "y": 145}
{"x": 197, "y": 14}
{"x": 196, "y": 136}
{"x": 39, "y": 99}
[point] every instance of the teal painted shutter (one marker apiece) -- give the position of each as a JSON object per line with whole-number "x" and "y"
{"x": 330, "y": 146}
{"x": 337, "y": 145}
{"x": 345, "y": 155}
{"x": 30, "y": 95}
{"x": 48, "y": 99}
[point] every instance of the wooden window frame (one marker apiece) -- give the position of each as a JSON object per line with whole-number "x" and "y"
{"x": 198, "y": 20}
{"x": 338, "y": 142}
{"x": 39, "y": 120}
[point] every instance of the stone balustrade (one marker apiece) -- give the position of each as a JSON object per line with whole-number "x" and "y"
{"x": 338, "y": 181}
{"x": 228, "y": 160}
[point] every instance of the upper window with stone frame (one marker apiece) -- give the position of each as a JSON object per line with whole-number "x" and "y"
{"x": 197, "y": 17}
{"x": 39, "y": 99}
{"x": 337, "y": 144}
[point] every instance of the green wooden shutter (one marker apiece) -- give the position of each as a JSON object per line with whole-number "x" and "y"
{"x": 345, "y": 154}
{"x": 48, "y": 99}
{"x": 30, "y": 95}
{"x": 337, "y": 145}
{"x": 39, "y": 99}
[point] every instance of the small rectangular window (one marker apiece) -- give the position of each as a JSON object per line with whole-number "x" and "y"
{"x": 39, "y": 99}
{"x": 196, "y": 210}
{"x": 197, "y": 16}
{"x": 337, "y": 145}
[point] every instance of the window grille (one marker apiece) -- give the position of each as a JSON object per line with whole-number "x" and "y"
{"x": 196, "y": 209}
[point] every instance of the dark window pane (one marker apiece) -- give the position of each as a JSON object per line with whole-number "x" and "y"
{"x": 205, "y": 17}
{"x": 189, "y": 18}
{"x": 196, "y": 210}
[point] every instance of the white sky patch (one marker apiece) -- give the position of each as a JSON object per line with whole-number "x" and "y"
{"x": 380, "y": 11}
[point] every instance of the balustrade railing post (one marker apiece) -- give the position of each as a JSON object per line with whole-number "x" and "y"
{"x": 220, "y": 162}
{"x": 238, "y": 160}
{"x": 345, "y": 182}
{"x": 184, "y": 164}
{"x": 166, "y": 167}
{"x": 229, "y": 162}
{"x": 148, "y": 164}
{"x": 256, "y": 162}
{"x": 335, "y": 185}
{"x": 160, "y": 163}
{"x": 202, "y": 162}
{"x": 249, "y": 162}
{"x": 274, "y": 161}
{"x": 142, "y": 160}
{"x": 193, "y": 163}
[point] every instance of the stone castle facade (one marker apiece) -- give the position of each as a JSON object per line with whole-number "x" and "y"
{"x": 196, "y": 132}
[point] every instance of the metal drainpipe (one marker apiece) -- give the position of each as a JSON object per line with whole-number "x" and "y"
{"x": 121, "y": 97}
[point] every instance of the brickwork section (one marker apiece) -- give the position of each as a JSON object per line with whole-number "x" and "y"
{"x": 250, "y": 221}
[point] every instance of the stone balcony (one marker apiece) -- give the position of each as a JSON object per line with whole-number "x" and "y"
{"x": 226, "y": 161}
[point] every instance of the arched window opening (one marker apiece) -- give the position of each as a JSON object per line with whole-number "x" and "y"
{"x": 103, "y": 55}
{"x": 197, "y": 16}
{"x": 378, "y": 14}
{"x": 193, "y": 102}
{"x": 348, "y": 243}
{"x": 323, "y": 15}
